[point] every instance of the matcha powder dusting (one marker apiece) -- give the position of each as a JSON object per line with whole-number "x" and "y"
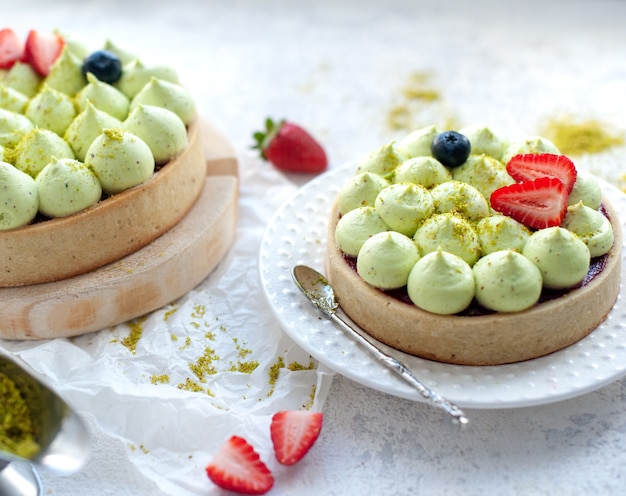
{"x": 418, "y": 103}
{"x": 17, "y": 433}
{"x": 573, "y": 137}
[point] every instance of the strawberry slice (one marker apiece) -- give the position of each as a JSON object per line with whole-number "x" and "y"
{"x": 42, "y": 50}
{"x": 237, "y": 467}
{"x": 11, "y": 48}
{"x": 290, "y": 148}
{"x": 537, "y": 204}
{"x": 531, "y": 166}
{"x": 293, "y": 433}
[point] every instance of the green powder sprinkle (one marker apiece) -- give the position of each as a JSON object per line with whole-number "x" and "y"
{"x": 244, "y": 367}
{"x": 160, "y": 379}
{"x": 576, "y": 137}
{"x": 190, "y": 385}
{"x": 136, "y": 329}
{"x": 169, "y": 313}
{"x": 295, "y": 366}
{"x": 275, "y": 370}
{"x": 186, "y": 345}
{"x": 199, "y": 311}
{"x": 309, "y": 403}
{"x": 204, "y": 366}
{"x": 416, "y": 102}
{"x": 273, "y": 373}
{"x": 17, "y": 432}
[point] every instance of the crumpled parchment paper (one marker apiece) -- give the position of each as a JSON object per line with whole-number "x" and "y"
{"x": 173, "y": 385}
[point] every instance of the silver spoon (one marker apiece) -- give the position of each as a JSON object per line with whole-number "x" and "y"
{"x": 61, "y": 436}
{"x": 19, "y": 478}
{"x": 319, "y": 292}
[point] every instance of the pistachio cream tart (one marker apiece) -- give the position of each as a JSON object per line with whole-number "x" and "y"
{"x": 467, "y": 248}
{"x": 100, "y": 154}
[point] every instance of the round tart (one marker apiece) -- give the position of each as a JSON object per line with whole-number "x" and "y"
{"x": 470, "y": 249}
{"x": 100, "y": 154}
{"x": 138, "y": 283}
{"x": 116, "y": 197}
{"x": 64, "y": 247}
{"x": 491, "y": 339}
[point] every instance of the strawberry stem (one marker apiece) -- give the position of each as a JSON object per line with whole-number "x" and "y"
{"x": 264, "y": 138}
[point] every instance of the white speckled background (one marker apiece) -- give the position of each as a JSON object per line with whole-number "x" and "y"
{"x": 339, "y": 67}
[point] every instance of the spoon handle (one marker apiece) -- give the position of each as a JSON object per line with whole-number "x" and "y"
{"x": 395, "y": 365}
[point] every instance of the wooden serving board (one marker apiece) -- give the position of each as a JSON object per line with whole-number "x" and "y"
{"x": 139, "y": 283}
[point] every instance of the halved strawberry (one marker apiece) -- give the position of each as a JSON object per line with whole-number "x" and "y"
{"x": 537, "y": 204}
{"x": 42, "y": 50}
{"x": 11, "y": 48}
{"x": 293, "y": 433}
{"x": 531, "y": 166}
{"x": 237, "y": 467}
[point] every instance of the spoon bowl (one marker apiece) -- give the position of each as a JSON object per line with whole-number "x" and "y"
{"x": 60, "y": 439}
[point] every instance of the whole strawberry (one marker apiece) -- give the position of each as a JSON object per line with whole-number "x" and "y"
{"x": 290, "y": 148}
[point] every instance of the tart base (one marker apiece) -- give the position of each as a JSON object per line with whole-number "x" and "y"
{"x": 153, "y": 276}
{"x": 493, "y": 339}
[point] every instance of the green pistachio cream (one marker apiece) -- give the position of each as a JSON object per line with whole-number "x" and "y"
{"x": 411, "y": 222}
{"x": 49, "y": 123}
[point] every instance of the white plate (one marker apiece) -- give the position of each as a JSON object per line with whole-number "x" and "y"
{"x": 297, "y": 235}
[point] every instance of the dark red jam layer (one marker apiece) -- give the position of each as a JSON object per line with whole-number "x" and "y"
{"x": 596, "y": 266}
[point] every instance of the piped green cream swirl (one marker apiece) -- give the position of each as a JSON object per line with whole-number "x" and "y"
{"x": 120, "y": 160}
{"x": 450, "y": 233}
{"x": 592, "y": 227}
{"x": 356, "y": 227}
{"x": 36, "y": 149}
{"x": 13, "y": 127}
{"x": 360, "y": 190}
{"x": 404, "y": 206}
{"x": 441, "y": 283}
{"x": 66, "y": 186}
{"x": 561, "y": 256}
{"x": 104, "y": 97}
{"x": 86, "y": 127}
{"x": 381, "y": 161}
{"x": 166, "y": 95}
{"x": 386, "y": 259}
{"x": 66, "y": 73}
{"x": 19, "y": 198}
{"x": 417, "y": 143}
{"x": 425, "y": 171}
{"x": 51, "y": 109}
{"x": 161, "y": 129}
{"x": 506, "y": 281}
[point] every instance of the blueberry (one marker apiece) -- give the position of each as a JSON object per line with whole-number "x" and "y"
{"x": 450, "y": 148}
{"x": 106, "y": 66}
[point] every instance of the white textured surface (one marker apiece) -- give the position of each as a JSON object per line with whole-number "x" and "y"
{"x": 296, "y": 235}
{"x": 338, "y": 67}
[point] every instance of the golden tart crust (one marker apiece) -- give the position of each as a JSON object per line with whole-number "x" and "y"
{"x": 490, "y": 339}
{"x": 60, "y": 248}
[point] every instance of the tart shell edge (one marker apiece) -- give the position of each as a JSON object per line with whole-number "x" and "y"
{"x": 483, "y": 340}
